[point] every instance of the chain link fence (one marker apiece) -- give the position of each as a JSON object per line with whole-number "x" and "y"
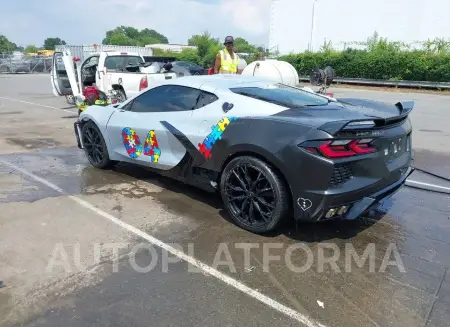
{"x": 24, "y": 64}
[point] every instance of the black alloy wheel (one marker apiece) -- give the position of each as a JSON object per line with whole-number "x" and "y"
{"x": 95, "y": 146}
{"x": 254, "y": 195}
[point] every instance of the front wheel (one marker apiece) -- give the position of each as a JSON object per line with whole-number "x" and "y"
{"x": 95, "y": 146}
{"x": 254, "y": 194}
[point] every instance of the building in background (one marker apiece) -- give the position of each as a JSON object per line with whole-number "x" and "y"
{"x": 177, "y": 48}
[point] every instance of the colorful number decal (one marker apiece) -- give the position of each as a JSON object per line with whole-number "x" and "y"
{"x": 134, "y": 147}
{"x": 151, "y": 147}
{"x": 132, "y": 142}
{"x": 215, "y": 135}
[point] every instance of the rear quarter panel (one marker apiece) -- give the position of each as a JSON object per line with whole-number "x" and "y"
{"x": 254, "y": 128}
{"x": 262, "y": 136}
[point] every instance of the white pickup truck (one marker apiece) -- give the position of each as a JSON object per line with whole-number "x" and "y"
{"x": 124, "y": 72}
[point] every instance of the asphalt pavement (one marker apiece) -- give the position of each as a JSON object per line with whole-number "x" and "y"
{"x": 84, "y": 247}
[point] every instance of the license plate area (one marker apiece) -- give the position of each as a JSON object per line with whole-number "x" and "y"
{"x": 393, "y": 148}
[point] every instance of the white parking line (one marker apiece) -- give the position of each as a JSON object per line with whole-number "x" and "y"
{"x": 417, "y": 183}
{"x": 38, "y": 104}
{"x": 308, "y": 322}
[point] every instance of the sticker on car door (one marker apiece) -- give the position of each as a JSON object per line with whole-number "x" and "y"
{"x": 134, "y": 148}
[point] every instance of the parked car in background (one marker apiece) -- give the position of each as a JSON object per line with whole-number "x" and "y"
{"x": 178, "y": 70}
{"x": 13, "y": 65}
{"x": 40, "y": 64}
{"x": 193, "y": 68}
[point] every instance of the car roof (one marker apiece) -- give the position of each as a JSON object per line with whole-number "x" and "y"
{"x": 218, "y": 81}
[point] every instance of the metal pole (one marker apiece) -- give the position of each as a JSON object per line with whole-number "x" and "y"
{"x": 312, "y": 25}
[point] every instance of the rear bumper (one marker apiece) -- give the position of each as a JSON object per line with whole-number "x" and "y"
{"x": 357, "y": 202}
{"x": 358, "y": 208}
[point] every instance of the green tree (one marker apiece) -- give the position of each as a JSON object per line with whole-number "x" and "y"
{"x": 126, "y": 35}
{"x": 6, "y": 45}
{"x": 120, "y": 39}
{"x": 31, "y": 49}
{"x": 51, "y": 42}
{"x": 190, "y": 55}
{"x": 211, "y": 54}
{"x": 242, "y": 46}
{"x": 152, "y": 37}
{"x": 204, "y": 43}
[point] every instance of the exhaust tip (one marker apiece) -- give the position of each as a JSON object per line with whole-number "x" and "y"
{"x": 336, "y": 212}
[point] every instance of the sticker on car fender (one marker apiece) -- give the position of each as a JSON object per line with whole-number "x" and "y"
{"x": 216, "y": 134}
{"x": 304, "y": 204}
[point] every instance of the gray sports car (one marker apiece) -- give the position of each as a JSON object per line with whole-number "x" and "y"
{"x": 272, "y": 151}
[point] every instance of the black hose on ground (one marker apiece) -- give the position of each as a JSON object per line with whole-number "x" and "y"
{"x": 432, "y": 174}
{"x": 425, "y": 187}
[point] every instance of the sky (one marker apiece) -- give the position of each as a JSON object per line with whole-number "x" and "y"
{"x": 27, "y": 22}
{"x": 342, "y": 21}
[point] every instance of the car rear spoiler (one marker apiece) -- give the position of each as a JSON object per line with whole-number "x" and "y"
{"x": 405, "y": 108}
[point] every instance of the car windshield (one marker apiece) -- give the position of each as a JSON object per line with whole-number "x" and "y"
{"x": 282, "y": 95}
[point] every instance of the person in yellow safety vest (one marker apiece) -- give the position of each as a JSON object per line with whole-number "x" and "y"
{"x": 227, "y": 60}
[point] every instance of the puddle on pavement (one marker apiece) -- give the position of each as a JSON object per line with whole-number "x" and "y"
{"x": 433, "y": 162}
{"x": 35, "y": 143}
{"x": 131, "y": 190}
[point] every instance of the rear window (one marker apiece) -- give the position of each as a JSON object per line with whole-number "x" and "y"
{"x": 120, "y": 62}
{"x": 282, "y": 95}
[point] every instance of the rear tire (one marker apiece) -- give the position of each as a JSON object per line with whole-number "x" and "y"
{"x": 254, "y": 194}
{"x": 95, "y": 146}
{"x": 70, "y": 99}
{"x": 121, "y": 95}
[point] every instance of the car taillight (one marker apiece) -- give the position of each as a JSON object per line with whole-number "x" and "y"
{"x": 143, "y": 84}
{"x": 340, "y": 148}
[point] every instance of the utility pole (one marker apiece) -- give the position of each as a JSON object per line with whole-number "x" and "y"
{"x": 312, "y": 26}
